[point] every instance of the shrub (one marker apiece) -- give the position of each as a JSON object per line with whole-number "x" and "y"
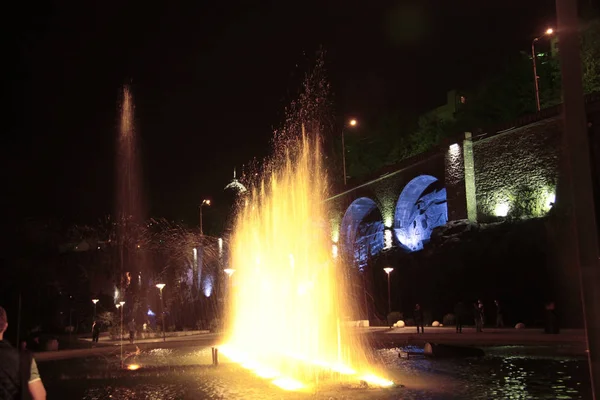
{"x": 216, "y": 325}
{"x": 449, "y": 319}
{"x": 394, "y": 317}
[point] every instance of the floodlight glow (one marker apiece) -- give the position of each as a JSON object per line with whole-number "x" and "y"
{"x": 501, "y": 209}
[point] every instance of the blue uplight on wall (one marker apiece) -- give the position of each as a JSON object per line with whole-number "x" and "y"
{"x": 420, "y": 208}
{"x": 207, "y": 285}
{"x": 361, "y": 231}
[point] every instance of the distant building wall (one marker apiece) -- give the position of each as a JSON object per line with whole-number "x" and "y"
{"x": 517, "y": 170}
{"x": 483, "y": 177}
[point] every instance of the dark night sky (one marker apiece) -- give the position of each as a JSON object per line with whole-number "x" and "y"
{"x": 211, "y": 79}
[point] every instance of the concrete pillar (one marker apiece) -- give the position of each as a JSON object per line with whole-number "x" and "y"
{"x": 454, "y": 181}
{"x": 470, "y": 191}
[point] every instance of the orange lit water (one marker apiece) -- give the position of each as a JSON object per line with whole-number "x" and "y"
{"x": 287, "y": 297}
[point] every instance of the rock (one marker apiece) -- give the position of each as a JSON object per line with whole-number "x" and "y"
{"x": 52, "y": 345}
{"x": 400, "y": 324}
{"x": 441, "y": 324}
{"x": 520, "y": 325}
{"x": 435, "y": 324}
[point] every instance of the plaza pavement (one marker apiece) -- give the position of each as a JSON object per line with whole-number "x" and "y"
{"x": 572, "y": 341}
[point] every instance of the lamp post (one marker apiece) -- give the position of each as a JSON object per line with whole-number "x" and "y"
{"x": 95, "y": 301}
{"x": 388, "y": 270}
{"x": 121, "y": 306}
{"x": 205, "y": 202}
{"x": 549, "y": 31}
{"x": 160, "y": 287}
{"x": 351, "y": 123}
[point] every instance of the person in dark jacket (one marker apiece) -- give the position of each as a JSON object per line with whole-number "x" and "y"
{"x": 551, "y": 319}
{"x": 418, "y": 316}
{"x": 499, "y": 315}
{"x": 18, "y": 370}
{"x": 459, "y": 315}
{"x": 95, "y": 332}
{"x": 478, "y": 315}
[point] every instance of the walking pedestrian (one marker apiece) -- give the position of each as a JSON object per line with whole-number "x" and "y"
{"x": 418, "y": 317}
{"x": 95, "y": 332}
{"x": 131, "y": 331}
{"x": 499, "y": 315}
{"x": 19, "y": 373}
{"x": 479, "y": 314}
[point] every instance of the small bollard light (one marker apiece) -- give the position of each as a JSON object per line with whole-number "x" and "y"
{"x": 215, "y": 356}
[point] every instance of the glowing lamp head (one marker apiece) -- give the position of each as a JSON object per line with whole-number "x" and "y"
{"x": 122, "y": 303}
{"x": 160, "y": 286}
{"x": 501, "y": 209}
{"x": 118, "y": 306}
{"x": 352, "y": 122}
{"x": 95, "y": 301}
{"x": 206, "y": 202}
{"x": 229, "y": 271}
{"x": 388, "y": 270}
{"x": 549, "y": 31}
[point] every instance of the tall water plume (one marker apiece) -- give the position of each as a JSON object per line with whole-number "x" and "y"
{"x": 128, "y": 163}
{"x": 129, "y": 214}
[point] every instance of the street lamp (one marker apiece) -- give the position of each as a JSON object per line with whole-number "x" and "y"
{"x": 160, "y": 287}
{"x": 352, "y": 123}
{"x": 205, "y": 202}
{"x": 548, "y": 32}
{"x": 95, "y": 301}
{"x": 229, "y": 271}
{"x": 388, "y": 270}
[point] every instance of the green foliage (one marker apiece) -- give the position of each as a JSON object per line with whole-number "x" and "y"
{"x": 590, "y": 56}
{"x": 527, "y": 202}
{"x": 449, "y": 319}
{"x": 107, "y": 318}
{"x": 394, "y": 317}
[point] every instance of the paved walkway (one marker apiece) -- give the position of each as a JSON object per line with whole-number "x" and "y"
{"x": 489, "y": 337}
{"x": 177, "y": 336}
{"x": 104, "y": 347}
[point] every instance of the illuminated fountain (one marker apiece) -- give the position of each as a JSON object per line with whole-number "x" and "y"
{"x": 288, "y": 297}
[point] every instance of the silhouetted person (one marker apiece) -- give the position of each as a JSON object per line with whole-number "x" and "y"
{"x": 418, "y": 316}
{"x": 478, "y": 314}
{"x": 551, "y": 319}
{"x": 499, "y": 315}
{"x": 95, "y": 332}
{"x": 19, "y": 375}
{"x": 131, "y": 330}
{"x": 459, "y": 315}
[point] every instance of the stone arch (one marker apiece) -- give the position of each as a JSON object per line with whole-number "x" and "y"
{"x": 361, "y": 231}
{"x": 422, "y": 206}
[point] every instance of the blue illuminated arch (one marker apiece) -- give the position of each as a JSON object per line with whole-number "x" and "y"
{"x": 361, "y": 231}
{"x": 421, "y": 207}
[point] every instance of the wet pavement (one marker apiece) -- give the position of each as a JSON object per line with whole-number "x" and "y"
{"x": 185, "y": 372}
